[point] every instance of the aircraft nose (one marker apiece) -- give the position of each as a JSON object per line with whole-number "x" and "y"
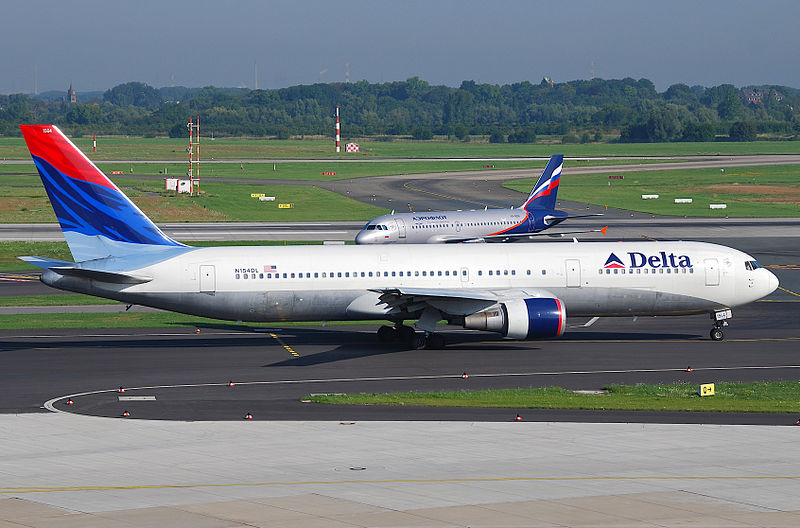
{"x": 363, "y": 238}
{"x": 773, "y": 282}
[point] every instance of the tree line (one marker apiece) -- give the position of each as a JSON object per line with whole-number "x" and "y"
{"x": 576, "y": 111}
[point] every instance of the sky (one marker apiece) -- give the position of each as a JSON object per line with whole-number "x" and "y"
{"x": 96, "y": 45}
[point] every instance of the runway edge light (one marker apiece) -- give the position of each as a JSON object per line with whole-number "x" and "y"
{"x": 706, "y": 389}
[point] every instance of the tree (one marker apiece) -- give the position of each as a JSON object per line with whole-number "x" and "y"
{"x": 525, "y": 135}
{"x": 698, "y": 132}
{"x": 497, "y": 137}
{"x": 730, "y": 108}
{"x": 84, "y": 114}
{"x": 422, "y": 132}
{"x": 133, "y": 94}
{"x": 743, "y": 131}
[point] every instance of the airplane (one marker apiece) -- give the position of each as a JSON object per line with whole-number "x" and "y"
{"x": 520, "y": 291}
{"x": 537, "y": 214}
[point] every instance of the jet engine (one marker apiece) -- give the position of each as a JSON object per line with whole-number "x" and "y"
{"x": 535, "y": 318}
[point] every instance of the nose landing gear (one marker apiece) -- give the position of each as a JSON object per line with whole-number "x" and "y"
{"x": 720, "y": 318}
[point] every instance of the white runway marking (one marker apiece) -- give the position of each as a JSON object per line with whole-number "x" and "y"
{"x": 50, "y": 404}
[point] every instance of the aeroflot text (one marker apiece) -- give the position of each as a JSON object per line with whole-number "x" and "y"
{"x": 661, "y": 260}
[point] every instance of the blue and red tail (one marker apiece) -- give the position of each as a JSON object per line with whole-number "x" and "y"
{"x": 544, "y": 192}
{"x": 97, "y": 219}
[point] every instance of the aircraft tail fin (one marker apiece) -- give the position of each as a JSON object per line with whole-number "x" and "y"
{"x": 96, "y": 217}
{"x": 543, "y": 195}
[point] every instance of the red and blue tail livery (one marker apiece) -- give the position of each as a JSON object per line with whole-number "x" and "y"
{"x": 543, "y": 195}
{"x": 97, "y": 219}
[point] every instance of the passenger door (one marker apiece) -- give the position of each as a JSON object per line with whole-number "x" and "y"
{"x": 712, "y": 272}
{"x": 208, "y": 279}
{"x": 573, "y": 267}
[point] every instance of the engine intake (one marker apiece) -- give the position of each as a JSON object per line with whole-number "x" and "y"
{"x": 535, "y": 318}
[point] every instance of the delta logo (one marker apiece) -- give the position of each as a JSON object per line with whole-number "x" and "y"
{"x": 613, "y": 262}
{"x": 662, "y": 259}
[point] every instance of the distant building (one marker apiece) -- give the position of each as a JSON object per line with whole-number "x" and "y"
{"x": 73, "y": 97}
{"x": 757, "y": 95}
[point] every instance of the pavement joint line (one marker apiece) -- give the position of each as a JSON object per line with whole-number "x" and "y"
{"x": 55, "y": 489}
{"x": 50, "y": 404}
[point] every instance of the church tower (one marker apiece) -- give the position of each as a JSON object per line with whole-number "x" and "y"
{"x": 73, "y": 97}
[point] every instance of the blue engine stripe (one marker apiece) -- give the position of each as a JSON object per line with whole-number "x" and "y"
{"x": 544, "y": 317}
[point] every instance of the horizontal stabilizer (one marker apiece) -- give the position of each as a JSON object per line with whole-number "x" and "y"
{"x": 45, "y": 263}
{"x": 101, "y": 276}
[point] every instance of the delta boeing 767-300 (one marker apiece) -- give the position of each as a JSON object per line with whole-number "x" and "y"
{"x": 521, "y": 291}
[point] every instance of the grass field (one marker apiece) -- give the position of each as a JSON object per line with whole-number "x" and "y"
{"x": 311, "y": 171}
{"x": 130, "y": 148}
{"x": 23, "y": 200}
{"x": 769, "y": 191}
{"x": 730, "y": 397}
{"x": 9, "y": 251}
{"x": 142, "y": 320}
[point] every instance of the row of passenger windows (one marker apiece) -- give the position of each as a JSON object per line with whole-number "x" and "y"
{"x": 445, "y": 273}
{"x": 645, "y": 271}
{"x": 466, "y": 224}
{"x": 347, "y": 274}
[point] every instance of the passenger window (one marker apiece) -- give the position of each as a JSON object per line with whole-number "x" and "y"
{"x": 544, "y": 272}
{"x": 237, "y": 276}
{"x": 490, "y": 272}
{"x": 324, "y": 275}
{"x": 292, "y": 275}
{"x": 339, "y": 274}
{"x": 370, "y": 274}
{"x": 480, "y": 273}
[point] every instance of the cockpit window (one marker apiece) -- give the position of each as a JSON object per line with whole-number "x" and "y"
{"x": 370, "y": 227}
{"x": 751, "y": 265}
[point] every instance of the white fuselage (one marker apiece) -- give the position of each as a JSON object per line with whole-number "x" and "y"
{"x": 439, "y": 226}
{"x": 298, "y": 283}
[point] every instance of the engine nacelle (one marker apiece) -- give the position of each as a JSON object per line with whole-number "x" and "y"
{"x": 535, "y": 318}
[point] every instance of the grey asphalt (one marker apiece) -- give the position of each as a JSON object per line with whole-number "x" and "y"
{"x": 178, "y": 461}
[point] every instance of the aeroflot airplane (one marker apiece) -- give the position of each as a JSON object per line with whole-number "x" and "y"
{"x": 536, "y": 214}
{"x": 521, "y": 291}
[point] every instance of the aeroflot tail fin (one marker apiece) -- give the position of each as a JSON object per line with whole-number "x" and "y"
{"x": 97, "y": 219}
{"x": 543, "y": 195}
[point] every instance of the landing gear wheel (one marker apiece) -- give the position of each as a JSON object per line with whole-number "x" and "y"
{"x": 387, "y": 334}
{"x": 435, "y": 341}
{"x": 419, "y": 341}
{"x": 406, "y": 334}
{"x": 717, "y": 334}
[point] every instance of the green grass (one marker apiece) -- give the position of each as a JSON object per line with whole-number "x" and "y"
{"x": 76, "y": 299}
{"x": 9, "y": 251}
{"x": 142, "y": 320}
{"x": 25, "y": 201}
{"x": 17, "y": 174}
{"x": 768, "y": 191}
{"x": 119, "y": 147}
{"x": 729, "y": 397}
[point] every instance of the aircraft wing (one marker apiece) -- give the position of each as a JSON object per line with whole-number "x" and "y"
{"x": 516, "y": 236}
{"x": 453, "y": 302}
{"x": 544, "y": 233}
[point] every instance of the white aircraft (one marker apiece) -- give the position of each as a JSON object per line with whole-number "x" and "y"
{"x": 521, "y": 291}
{"x": 537, "y": 214}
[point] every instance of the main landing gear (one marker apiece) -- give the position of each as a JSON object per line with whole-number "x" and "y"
{"x": 409, "y": 338}
{"x": 720, "y": 318}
